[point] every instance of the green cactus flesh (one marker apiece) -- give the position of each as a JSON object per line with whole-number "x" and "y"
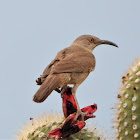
{"x": 128, "y": 116}
{"x": 43, "y": 131}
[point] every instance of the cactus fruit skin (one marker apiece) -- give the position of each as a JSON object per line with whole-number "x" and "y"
{"x": 72, "y": 126}
{"x": 128, "y": 116}
{"x": 68, "y": 102}
{"x": 70, "y": 107}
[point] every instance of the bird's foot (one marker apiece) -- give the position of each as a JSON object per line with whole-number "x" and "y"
{"x": 80, "y": 114}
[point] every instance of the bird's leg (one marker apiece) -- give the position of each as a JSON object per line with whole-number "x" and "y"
{"x": 79, "y": 112}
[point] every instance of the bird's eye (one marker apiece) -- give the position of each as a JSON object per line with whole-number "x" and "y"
{"x": 92, "y": 40}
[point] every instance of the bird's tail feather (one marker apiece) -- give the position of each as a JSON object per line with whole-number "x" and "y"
{"x": 46, "y": 88}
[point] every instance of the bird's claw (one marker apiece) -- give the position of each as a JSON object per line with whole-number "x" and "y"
{"x": 80, "y": 114}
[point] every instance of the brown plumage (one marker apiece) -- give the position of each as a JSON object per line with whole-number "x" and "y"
{"x": 72, "y": 65}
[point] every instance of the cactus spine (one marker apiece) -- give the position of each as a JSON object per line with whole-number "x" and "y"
{"x": 128, "y": 116}
{"x": 39, "y": 129}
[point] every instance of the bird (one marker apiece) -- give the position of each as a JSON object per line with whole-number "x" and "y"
{"x": 72, "y": 65}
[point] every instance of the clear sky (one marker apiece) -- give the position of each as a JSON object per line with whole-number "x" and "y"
{"x": 31, "y": 34}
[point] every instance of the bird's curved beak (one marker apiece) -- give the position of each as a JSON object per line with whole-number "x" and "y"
{"x": 106, "y": 42}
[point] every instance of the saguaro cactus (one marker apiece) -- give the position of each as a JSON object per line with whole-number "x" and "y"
{"x": 128, "y": 115}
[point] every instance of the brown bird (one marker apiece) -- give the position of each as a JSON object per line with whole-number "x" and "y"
{"x": 71, "y": 65}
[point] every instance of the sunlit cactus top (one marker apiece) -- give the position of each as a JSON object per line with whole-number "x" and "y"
{"x": 34, "y": 128}
{"x": 38, "y": 129}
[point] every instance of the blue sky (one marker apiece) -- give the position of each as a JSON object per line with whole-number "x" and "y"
{"x": 31, "y": 34}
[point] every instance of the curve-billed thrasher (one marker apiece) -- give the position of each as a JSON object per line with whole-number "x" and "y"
{"x": 72, "y": 65}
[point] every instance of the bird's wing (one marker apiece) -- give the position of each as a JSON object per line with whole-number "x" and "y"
{"x": 46, "y": 72}
{"x": 61, "y": 55}
{"x": 48, "y": 68}
{"x": 75, "y": 62}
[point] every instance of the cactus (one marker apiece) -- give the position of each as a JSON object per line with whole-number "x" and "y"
{"x": 40, "y": 127}
{"x": 128, "y": 114}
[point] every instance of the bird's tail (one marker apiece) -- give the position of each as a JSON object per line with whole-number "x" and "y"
{"x": 51, "y": 83}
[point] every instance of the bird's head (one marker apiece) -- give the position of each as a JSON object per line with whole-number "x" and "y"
{"x": 90, "y": 42}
